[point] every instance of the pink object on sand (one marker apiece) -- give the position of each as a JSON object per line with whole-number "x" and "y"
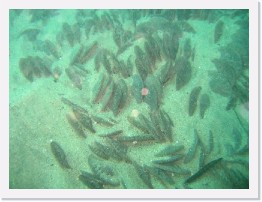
{"x": 144, "y": 91}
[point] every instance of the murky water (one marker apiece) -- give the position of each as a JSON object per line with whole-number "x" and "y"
{"x": 123, "y": 99}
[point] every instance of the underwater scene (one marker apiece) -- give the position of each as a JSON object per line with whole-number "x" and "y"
{"x": 128, "y": 99}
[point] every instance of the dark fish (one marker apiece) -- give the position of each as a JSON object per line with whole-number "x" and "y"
{"x": 139, "y": 53}
{"x": 51, "y": 49}
{"x": 170, "y": 46}
{"x": 154, "y": 46}
{"x": 57, "y": 71}
{"x": 85, "y": 120}
{"x": 237, "y": 138}
{"x": 169, "y": 159}
{"x": 106, "y": 62}
{"x": 31, "y": 34}
{"x": 144, "y": 174}
{"x": 184, "y": 72}
{"x": 89, "y": 53}
{"x": 116, "y": 99}
{"x": 137, "y": 86}
{"x": 60, "y": 155}
{"x": 123, "y": 48}
{"x": 77, "y": 56}
{"x": 26, "y": 69}
{"x": 125, "y": 93}
{"x": 243, "y": 150}
{"x": 150, "y": 53}
{"x": 98, "y": 61}
{"x": 219, "y": 29}
{"x": 73, "y": 105}
{"x": 117, "y": 36}
{"x": 116, "y": 64}
{"x": 220, "y": 85}
{"x": 204, "y": 104}
{"x": 153, "y": 24}
{"x": 210, "y": 145}
{"x": 76, "y": 125}
{"x": 135, "y": 122}
{"x": 69, "y": 34}
{"x": 99, "y": 87}
{"x": 193, "y": 100}
{"x": 97, "y": 150}
{"x": 104, "y": 149}
{"x": 162, "y": 175}
{"x": 170, "y": 150}
{"x": 202, "y": 156}
{"x": 157, "y": 123}
{"x": 152, "y": 98}
{"x": 168, "y": 117}
{"x": 238, "y": 179}
{"x": 103, "y": 172}
{"x": 118, "y": 147}
{"x": 232, "y": 102}
{"x": 166, "y": 126}
{"x": 152, "y": 82}
{"x": 75, "y": 77}
{"x": 124, "y": 69}
{"x": 123, "y": 183}
{"x": 149, "y": 126}
{"x": 114, "y": 149}
{"x": 187, "y": 48}
{"x": 158, "y": 45}
{"x": 35, "y": 67}
{"x": 166, "y": 73}
{"x": 192, "y": 150}
{"x": 129, "y": 66}
{"x": 90, "y": 180}
{"x": 136, "y": 138}
{"x": 185, "y": 26}
{"x": 141, "y": 68}
{"x": 173, "y": 169}
{"x": 203, "y": 170}
{"x": 103, "y": 121}
{"x": 111, "y": 133}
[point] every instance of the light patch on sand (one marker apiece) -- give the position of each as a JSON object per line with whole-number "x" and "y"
{"x": 135, "y": 113}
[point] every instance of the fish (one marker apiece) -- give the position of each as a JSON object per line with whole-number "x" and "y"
{"x": 203, "y": 170}
{"x": 193, "y": 99}
{"x": 85, "y": 120}
{"x": 90, "y": 180}
{"x": 192, "y": 150}
{"x": 183, "y": 72}
{"x": 144, "y": 174}
{"x": 219, "y": 29}
{"x": 204, "y": 104}
{"x": 59, "y": 154}
{"x": 69, "y": 34}
{"x": 137, "y": 86}
{"x": 170, "y": 159}
{"x": 76, "y": 125}
{"x": 169, "y": 150}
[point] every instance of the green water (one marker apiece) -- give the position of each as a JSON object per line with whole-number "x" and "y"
{"x": 132, "y": 99}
